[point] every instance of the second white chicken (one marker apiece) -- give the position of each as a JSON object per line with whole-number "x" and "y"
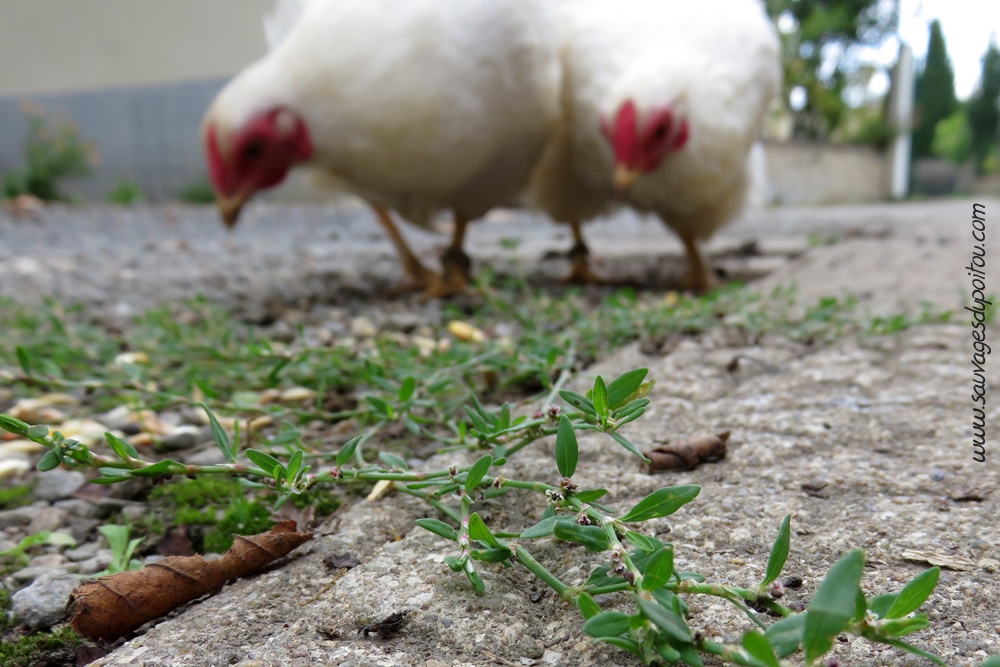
{"x": 662, "y": 103}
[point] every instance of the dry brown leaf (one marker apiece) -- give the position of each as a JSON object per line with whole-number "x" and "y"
{"x": 942, "y": 560}
{"x": 687, "y": 454}
{"x": 113, "y": 606}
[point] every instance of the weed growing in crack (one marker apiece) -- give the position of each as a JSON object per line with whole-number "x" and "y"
{"x": 650, "y": 618}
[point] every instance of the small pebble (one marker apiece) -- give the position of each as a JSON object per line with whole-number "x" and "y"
{"x": 96, "y": 564}
{"x": 82, "y": 552}
{"x": 43, "y": 603}
{"x": 20, "y": 516}
{"x": 48, "y": 518}
{"x": 937, "y": 475}
{"x": 29, "y": 574}
{"x": 58, "y": 484}
{"x": 184, "y": 437}
{"x": 77, "y": 507}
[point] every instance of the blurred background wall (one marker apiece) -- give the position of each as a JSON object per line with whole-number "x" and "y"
{"x": 134, "y": 78}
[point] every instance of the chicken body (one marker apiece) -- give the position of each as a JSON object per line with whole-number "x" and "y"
{"x": 416, "y": 106}
{"x": 662, "y": 103}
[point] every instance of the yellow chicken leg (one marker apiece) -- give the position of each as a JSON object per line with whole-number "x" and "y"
{"x": 455, "y": 265}
{"x": 579, "y": 256}
{"x": 420, "y": 277}
{"x": 700, "y": 277}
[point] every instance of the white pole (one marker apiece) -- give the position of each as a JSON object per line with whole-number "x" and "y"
{"x": 902, "y": 122}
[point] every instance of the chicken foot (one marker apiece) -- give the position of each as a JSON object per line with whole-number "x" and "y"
{"x": 420, "y": 277}
{"x": 579, "y": 257}
{"x": 455, "y": 265}
{"x": 700, "y": 277}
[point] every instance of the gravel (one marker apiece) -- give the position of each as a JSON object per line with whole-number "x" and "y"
{"x": 43, "y": 603}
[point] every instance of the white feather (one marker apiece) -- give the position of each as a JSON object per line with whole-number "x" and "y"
{"x": 718, "y": 62}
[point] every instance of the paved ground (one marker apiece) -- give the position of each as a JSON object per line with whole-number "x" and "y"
{"x": 125, "y": 259}
{"x": 865, "y": 442}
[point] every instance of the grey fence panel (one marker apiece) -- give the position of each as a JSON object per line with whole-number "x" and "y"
{"x": 148, "y": 135}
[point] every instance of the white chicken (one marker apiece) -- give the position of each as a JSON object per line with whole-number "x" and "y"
{"x": 662, "y": 103}
{"x": 416, "y": 106}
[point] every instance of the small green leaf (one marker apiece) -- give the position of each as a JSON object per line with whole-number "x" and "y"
{"x": 49, "y": 461}
{"x": 666, "y": 620}
{"x": 622, "y": 387}
{"x": 393, "y": 461}
{"x": 914, "y": 594}
{"x": 497, "y": 555}
{"x": 626, "y": 643}
{"x": 786, "y": 635}
{"x": 294, "y": 465}
{"x": 641, "y": 541}
{"x": 15, "y": 426}
{"x": 406, "y": 389}
{"x": 38, "y": 432}
{"x": 347, "y": 451}
{"x": 474, "y": 578}
{"x": 689, "y": 654}
{"x": 122, "y": 448}
{"x": 545, "y": 527}
{"x": 454, "y": 563}
{"x": 579, "y": 401}
{"x": 262, "y": 460}
{"x": 479, "y": 532}
{"x": 779, "y": 552}
{"x": 662, "y": 502}
{"x": 379, "y": 406}
{"x": 220, "y": 436}
{"x": 411, "y": 426}
{"x": 477, "y": 472}
{"x": 600, "y": 397}
{"x": 833, "y": 605}
{"x": 624, "y": 442}
{"x": 659, "y": 569}
{"x": 23, "y": 359}
{"x": 607, "y": 624}
{"x": 590, "y": 495}
{"x": 880, "y": 604}
{"x": 566, "y": 447}
{"x": 478, "y": 422}
{"x": 504, "y": 421}
{"x": 992, "y": 661}
{"x": 588, "y": 606}
{"x": 759, "y": 647}
{"x": 592, "y": 537}
{"x": 899, "y": 627}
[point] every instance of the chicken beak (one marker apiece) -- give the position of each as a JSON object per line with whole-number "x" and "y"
{"x": 625, "y": 178}
{"x": 230, "y": 207}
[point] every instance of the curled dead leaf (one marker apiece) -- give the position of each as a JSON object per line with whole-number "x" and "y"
{"x": 113, "y": 606}
{"x": 687, "y": 454}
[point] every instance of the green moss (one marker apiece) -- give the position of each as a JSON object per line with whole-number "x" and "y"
{"x": 15, "y": 496}
{"x": 323, "y": 500}
{"x": 41, "y": 649}
{"x": 241, "y": 518}
{"x": 6, "y": 621}
{"x": 198, "y": 493}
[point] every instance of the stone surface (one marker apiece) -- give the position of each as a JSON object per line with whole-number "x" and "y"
{"x": 43, "y": 603}
{"x": 59, "y": 484}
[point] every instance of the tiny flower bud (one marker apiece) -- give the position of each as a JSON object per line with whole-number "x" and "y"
{"x": 777, "y": 590}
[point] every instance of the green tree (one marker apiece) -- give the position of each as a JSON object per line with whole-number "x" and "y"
{"x": 935, "y": 93}
{"x": 825, "y": 33}
{"x": 984, "y": 109}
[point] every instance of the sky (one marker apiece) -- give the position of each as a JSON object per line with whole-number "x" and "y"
{"x": 967, "y": 25}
